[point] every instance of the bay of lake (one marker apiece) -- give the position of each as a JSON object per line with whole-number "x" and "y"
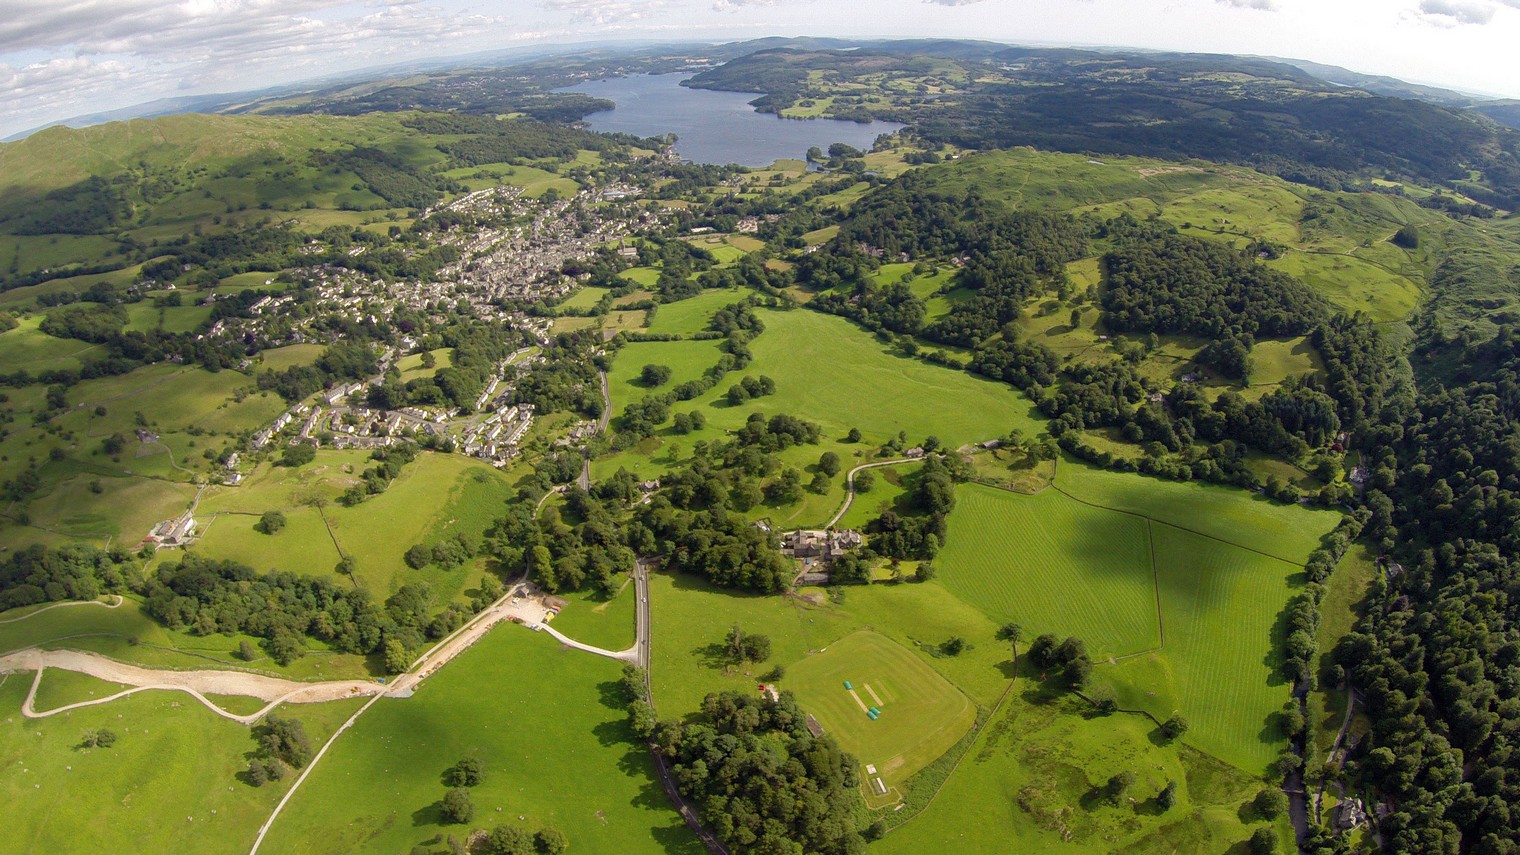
{"x": 716, "y": 127}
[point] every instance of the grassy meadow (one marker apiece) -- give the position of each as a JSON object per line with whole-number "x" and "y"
{"x": 171, "y": 778}
{"x": 1053, "y": 565}
{"x": 548, "y": 724}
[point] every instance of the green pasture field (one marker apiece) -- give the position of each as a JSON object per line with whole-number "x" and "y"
{"x": 25, "y": 298}
{"x": 689, "y": 619}
{"x": 1353, "y": 284}
{"x": 685, "y": 359}
{"x": 145, "y": 317}
{"x": 533, "y": 180}
{"x": 436, "y": 496}
{"x": 890, "y": 489}
{"x": 123, "y": 512}
{"x": 570, "y": 323}
{"x": 693, "y": 314}
{"x": 873, "y": 389}
{"x": 820, "y": 236}
{"x": 922, "y": 714}
{"x": 605, "y": 622}
{"x": 281, "y": 358}
{"x": 550, "y": 728}
{"x": 585, "y": 299}
{"x": 302, "y": 546}
{"x": 1055, "y": 565}
{"x": 411, "y": 368}
{"x": 1027, "y": 784}
{"x": 26, "y": 348}
{"x": 718, "y": 246}
{"x": 645, "y": 276}
{"x": 1274, "y": 360}
{"x": 1027, "y": 178}
{"x": 127, "y": 634}
{"x": 169, "y": 783}
{"x": 1230, "y": 514}
{"x": 59, "y": 688}
{"x": 172, "y": 399}
{"x": 1220, "y": 663}
{"x": 745, "y": 243}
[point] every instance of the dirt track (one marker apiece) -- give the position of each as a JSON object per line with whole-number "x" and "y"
{"x": 198, "y": 684}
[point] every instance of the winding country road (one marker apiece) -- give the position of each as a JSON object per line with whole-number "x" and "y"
{"x": 849, "y": 486}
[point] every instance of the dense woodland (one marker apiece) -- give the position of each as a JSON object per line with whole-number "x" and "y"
{"x": 762, "y": 783}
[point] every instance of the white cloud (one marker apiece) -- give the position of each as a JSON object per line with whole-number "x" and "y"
{"x": 1261, "y": 5}
{"x": 608, "y": 11}
{"x": 1451, "y": 13}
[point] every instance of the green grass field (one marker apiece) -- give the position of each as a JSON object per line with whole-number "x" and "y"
{"x": 1230, "y": 514}
{"x": 168, "y": 784}
{"x": 692, "y": 314}
{"x": 922, "y": 714}
{"x": 602, "y": 622}
{"x": 547, "y": 723}
{"x": 1220, "y": 663}
{"x": 1053, "y": 565}
{"x": 1026, "y": 784}
{"x": 874, "y": 389}
{"x": 28, "y": 348}
{"x": 685, "y": 359}
{"x": 456, "y": 494}
{"x": 584, "y": 299}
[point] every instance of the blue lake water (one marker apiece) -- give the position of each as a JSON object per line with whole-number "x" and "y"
{"x": 716, "y": 127}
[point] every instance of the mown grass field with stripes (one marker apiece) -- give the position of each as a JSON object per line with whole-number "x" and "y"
{"x": 1053, "y": 565}
{"x": 1056, "y": 565}
{"x": 922, "y": 714}
{"x": 1220, "y": 665}
{"x": 1230, "y": 514}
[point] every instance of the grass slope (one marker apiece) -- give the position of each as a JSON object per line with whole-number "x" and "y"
{"x": 169, "y": 783}
{"x": 1053, "y": 565}
{"x": 548, "y": 724}
{"x": 1220, "y": 663}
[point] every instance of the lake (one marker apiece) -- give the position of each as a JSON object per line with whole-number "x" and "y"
{"x": 716, "y": 127}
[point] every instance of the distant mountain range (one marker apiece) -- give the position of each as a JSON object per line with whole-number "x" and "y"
{"x": 1506, "y": 112}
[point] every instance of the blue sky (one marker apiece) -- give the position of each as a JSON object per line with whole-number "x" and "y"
{"x": 60, "y": 58}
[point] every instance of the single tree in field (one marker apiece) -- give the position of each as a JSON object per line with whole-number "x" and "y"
{"x": 1270, "y": 803}
{"x": 506, "y": 840}
{"x": 246, "y": 651}
{"x": 828, "y": 463}
{"x": 1010, "y": 632}
{"x": 457, "y": 806}
{"x": 271, "y": 522}
{"x": 1174, "y": 727}
{"x": 654, "y": 375}
{"x": 1168, "y": 796}
{"x": 1263, "y": 842}
{"x": 468, "y": 772}
{"x": 551, "y": 841}
{"x": 853, "y": 435}
{"x": 864, "y": 481}
{"x": 953, "y": 646}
